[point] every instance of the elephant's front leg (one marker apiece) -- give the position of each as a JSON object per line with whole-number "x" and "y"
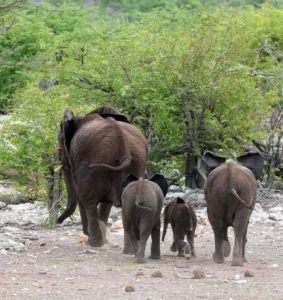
{"x": 178, "y": 236}
{"x": 155, "y": 245}
{"x": 226, "y": 244}
{"x": 95, "y": 235}
{"x": 104, "y": 211}
{"x": 83, "y": 219}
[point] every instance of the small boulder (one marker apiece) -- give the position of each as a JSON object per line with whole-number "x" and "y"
{"x": 249, "y": 273}
{"x": 199, "y": 273}
{"x": 156, "y": 274}
{"x": 129, "y": 288}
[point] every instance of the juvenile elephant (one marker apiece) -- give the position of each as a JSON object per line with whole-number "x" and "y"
{"x": 99, "y": 150}
{"x": 230, "y": 193}
{"x": 142, "y": 202}
{"x": 183, "y": 221}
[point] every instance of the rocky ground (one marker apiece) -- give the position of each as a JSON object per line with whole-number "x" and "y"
{"x": 42, "y": 263}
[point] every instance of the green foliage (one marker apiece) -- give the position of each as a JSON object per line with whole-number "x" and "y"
{"x": 182, "y": 77}
{"x": 30, "y": 33}
{"x": 28, "y": 140}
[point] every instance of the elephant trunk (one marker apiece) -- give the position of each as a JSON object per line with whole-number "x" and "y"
{"x": 71, "y": 206}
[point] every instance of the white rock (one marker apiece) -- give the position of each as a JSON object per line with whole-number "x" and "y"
{"x": 278, "y": 216}
{"x": 237, "y": 277}
{"x": 276, "y": 209}
{"x": 258, "y": 215}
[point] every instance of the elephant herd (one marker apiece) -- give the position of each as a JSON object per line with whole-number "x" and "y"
{"x": 103, "y": 159}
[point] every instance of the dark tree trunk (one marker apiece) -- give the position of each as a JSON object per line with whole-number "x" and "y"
{"x": 191, "y": 171}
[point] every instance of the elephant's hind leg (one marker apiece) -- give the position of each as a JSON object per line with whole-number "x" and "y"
{"x": 190, "y": 239}
{"x": 218, "y": 255}
{"x": 95, "y": 235}
{"x": 155, "y": 245}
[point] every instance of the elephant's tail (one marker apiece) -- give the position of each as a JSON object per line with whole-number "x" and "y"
{"x": 164, "y": 230}
{"x": 234, "y": 193}
{"x": 86, "y": 169}
{"x": 140, "y": 206}
{"x": 166, "y": 221}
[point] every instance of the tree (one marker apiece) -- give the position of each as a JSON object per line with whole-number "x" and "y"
{"x": 186, "y": 86}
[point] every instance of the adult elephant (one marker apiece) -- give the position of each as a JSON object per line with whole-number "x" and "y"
{"x": 99, "y": 150}
{"x": 230, "y": 193}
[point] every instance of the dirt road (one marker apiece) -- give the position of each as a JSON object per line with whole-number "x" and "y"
{"x": 57, "y": 265}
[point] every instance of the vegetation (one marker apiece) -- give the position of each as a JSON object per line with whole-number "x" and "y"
{"x": 191, "y": 80}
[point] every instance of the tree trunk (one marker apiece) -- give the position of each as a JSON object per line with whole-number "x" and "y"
{"x": 191, "y": 171}
{"x": 55, "y": 189}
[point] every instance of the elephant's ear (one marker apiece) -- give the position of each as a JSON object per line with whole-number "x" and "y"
{"x": 127, "y": 181}
{"x": 213, "y": 160}
{"x": 68, "y": 127}
{"x": 106, "y": 111}
{"x": 161, "y": 181}
{"x": 253, "y": 161}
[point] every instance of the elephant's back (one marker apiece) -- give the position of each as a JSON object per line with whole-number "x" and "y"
{"x": 110, "y": 140}
{"x": 223, "y": 179}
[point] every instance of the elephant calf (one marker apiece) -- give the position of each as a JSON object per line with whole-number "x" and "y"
{"x": 183, "y": 220}
{"x": 142, "y": 202}
{"x": 230, "y": 194}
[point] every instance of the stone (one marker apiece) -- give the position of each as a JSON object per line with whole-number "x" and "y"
{"x": 249, "y": 273}
{"x": 129, "y": 288}
{"x": 156, "y": 274}
{"x": 199, "y": 273}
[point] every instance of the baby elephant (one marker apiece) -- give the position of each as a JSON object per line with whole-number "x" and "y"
{"x": 183, "y": 220}
{"x": 142, "y": 201}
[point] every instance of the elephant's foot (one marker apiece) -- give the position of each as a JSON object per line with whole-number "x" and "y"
{"x": 237, "y": 262}
{"x": 85, "y": 231}
{"x": 173, "y": 248}
{"x": 226, "y": 248}
{"x": 153, "y": 256}
{"x": 187, "y": 249}
{"x": 140, "y": 260}
{"x": 128, "y": 251}
{"x": 218, "y": 259}
{"x": 94, "y": 242}
{"x": 181, "y": 254}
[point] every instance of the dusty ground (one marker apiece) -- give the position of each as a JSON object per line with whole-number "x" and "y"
{"x": 57, "y": 266}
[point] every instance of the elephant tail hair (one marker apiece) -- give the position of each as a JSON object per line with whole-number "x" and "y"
{"x": 234, "y": 193}
{"x": 86, "y": 169}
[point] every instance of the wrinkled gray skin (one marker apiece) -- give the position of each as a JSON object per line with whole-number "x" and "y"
{"x": 142, "y": 202}
{"x": 183, "y": 221}
{"x": 230, "y": 193}
{"x": 99, "y": 150}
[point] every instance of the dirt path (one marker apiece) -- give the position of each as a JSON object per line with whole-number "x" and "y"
{"x": 57, "y": 266}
